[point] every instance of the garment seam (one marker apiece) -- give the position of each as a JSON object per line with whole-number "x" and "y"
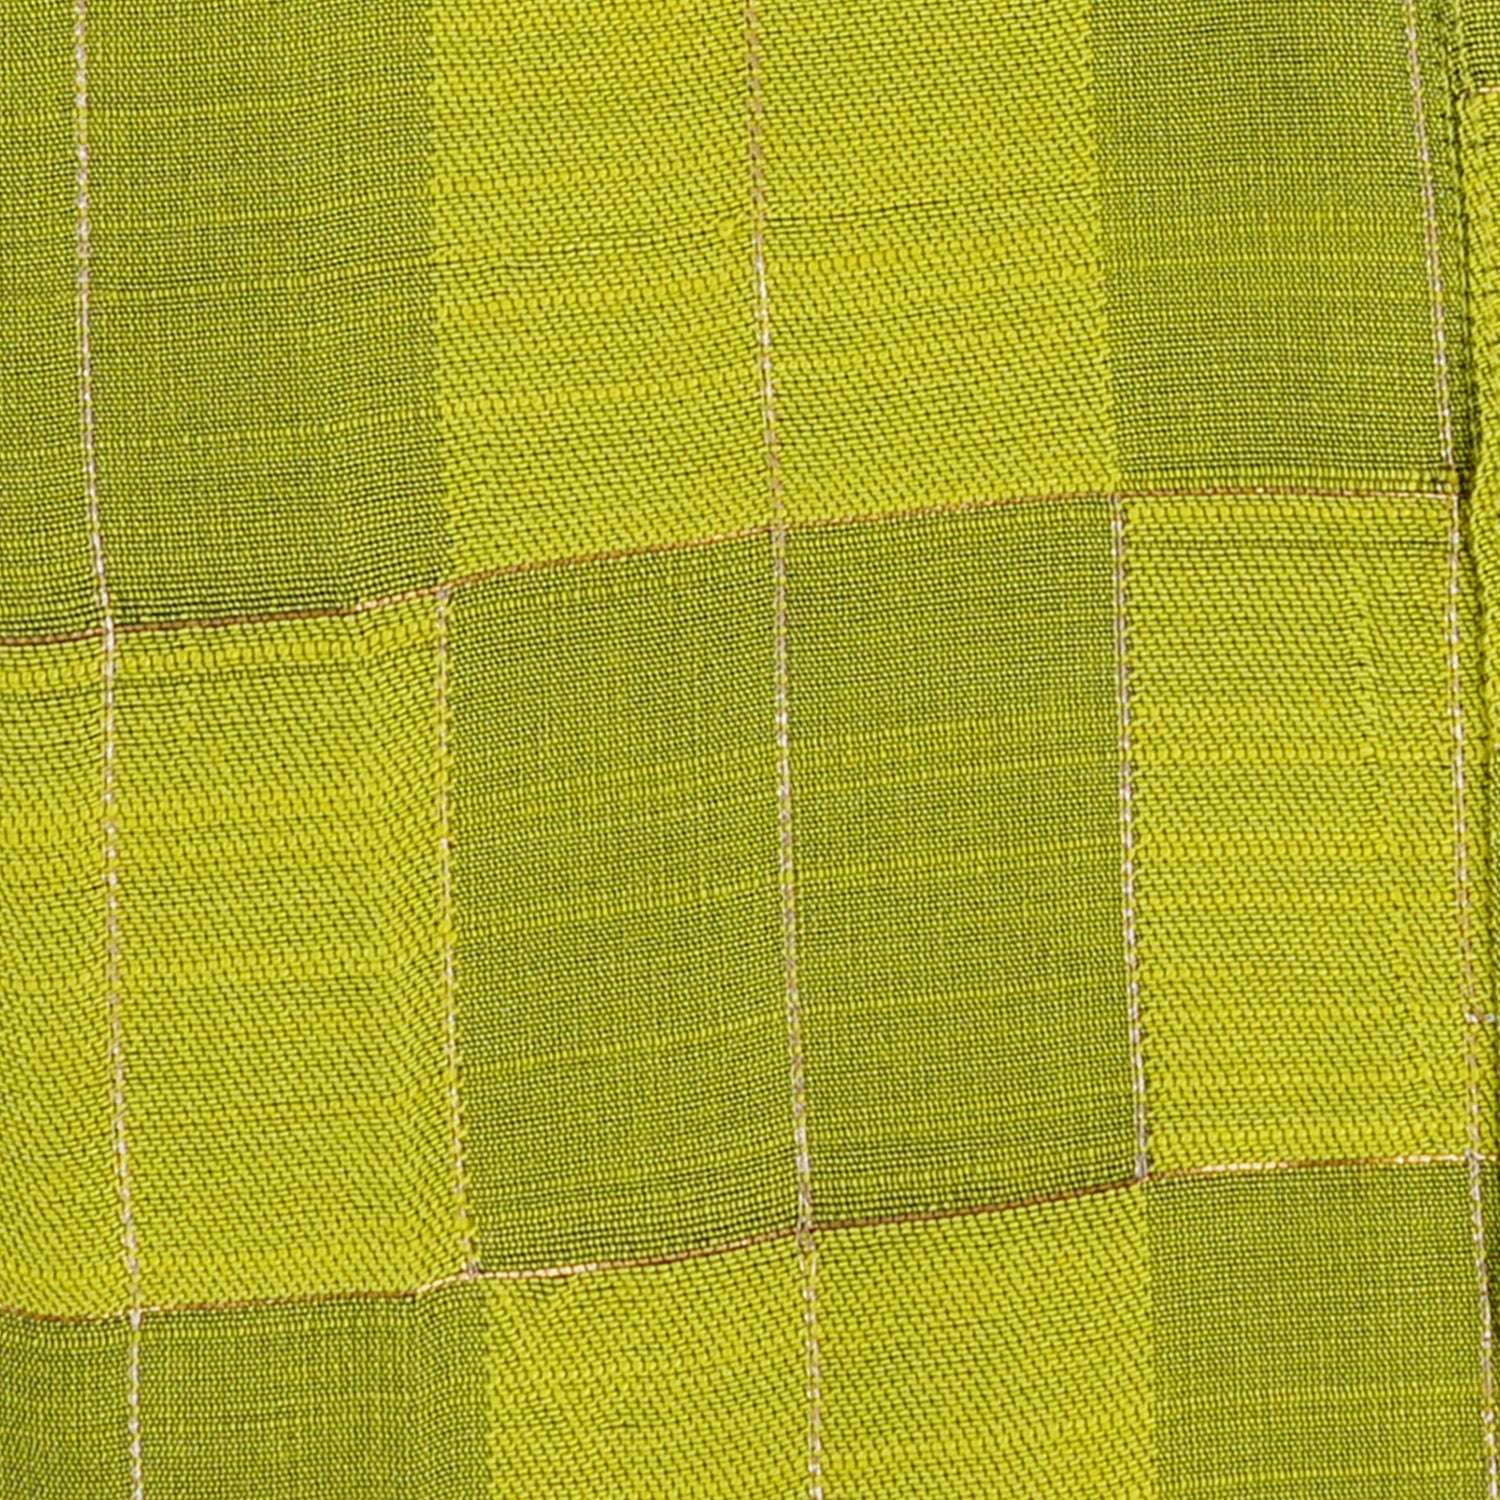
{"x": 108, "y": 817}
{"x": 1467, "y": 979}
{"x": 452, "y": 1053}
{"x": 806, "y": 1232}
{"x": 811, "y": 524}
{"x": 1118, "y": 521}
{"x": 837, "y": 1227}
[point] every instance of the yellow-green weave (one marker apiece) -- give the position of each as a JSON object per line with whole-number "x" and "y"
{"x": 745, "y": 749}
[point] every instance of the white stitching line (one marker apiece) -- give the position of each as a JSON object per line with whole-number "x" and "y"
{"x": 1474, "y": 1020}
{"x": 109, "y": 828}
{"x": 1127, "y": 845}
{"x": 806, "y": 1234}
{"x": 469, "y": 1249}
{"x": 1475, "y": 1159}
{"x": 1464, "y": 916}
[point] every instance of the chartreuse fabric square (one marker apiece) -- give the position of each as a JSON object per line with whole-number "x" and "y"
{"x": 745, "y": 749}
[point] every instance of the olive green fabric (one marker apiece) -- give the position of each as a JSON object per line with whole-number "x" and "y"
{"x": 746, "y": 751}
{"x": 625, "y": 1080}
{"x": 959, "y": 858}
{"x": 1271, "y": 303}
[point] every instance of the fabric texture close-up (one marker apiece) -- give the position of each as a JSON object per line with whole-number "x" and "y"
{"x": 746, "y": 749}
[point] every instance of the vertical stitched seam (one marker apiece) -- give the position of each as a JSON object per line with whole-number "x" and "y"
{"x": 1462, "y": 900}
{"x": 468, "y": 1246}
{"x": 807, "y": 1240}
{"x": 1473, "y": 1021}
{"x": 109, "y": 828}
{"x": 1127, "y": 842}
{"x": 1475, "y": 1158}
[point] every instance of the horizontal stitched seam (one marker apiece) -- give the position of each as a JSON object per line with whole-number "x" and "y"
{"x": 508, "y": 570}
{"x": 769, "y": 1237}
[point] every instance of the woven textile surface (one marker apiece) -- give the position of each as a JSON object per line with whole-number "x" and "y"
{"x": 745, "y": 750}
